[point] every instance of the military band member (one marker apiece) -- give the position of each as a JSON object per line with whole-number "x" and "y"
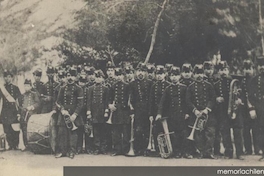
{"x": 97, "y": 111}
{"x": 151, "y": 72}
{"x": 119, "y": 106}
{"x": 156, "y": 92}
{"x": 80, "y": 131}
{"x": 186, "y": 74}
{"x": 69, "y": 102}
{"x": 140, "y": 90}
{"x": 29, "y": 103}
{"x": 110, "y": 71}
{"x": 38, "y": 86}
{"x": 209, "y": 72}
{"x": 173, "y": 105}
{"x": 201, "y": 100}
{"x": 249, "y": 123}
{"x": 9, "y": 94}
{"x": 48, "y": 93}
{"x": 256, "y": 97}
{"x": 129, "y": 74}
{"x": 222, "y": 87}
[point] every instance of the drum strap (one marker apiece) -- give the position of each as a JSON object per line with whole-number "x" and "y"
{"x": 8, "y": 97}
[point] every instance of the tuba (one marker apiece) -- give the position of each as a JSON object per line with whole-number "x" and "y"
{"x": 151, "y": 146}
{"x": 164, "y": 141}
{"x": 131, "y": 149}
{"x": 233, "y": 96}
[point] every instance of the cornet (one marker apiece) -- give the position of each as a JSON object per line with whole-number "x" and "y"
{"x": 109, "y": 121}
{"x": 69, "y": 123}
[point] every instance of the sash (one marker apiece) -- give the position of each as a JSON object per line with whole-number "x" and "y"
{"x": 8, "y": 97}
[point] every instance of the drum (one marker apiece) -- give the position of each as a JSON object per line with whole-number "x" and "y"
{"x": 38, "y": 133}
{"x": 3, "y": 142}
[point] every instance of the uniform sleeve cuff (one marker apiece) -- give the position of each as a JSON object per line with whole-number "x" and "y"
{"x": 208, "y": 109}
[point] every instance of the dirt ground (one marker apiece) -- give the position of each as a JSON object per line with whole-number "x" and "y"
{"x": 26, "y": 163}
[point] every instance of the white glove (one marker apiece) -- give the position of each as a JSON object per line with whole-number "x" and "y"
{"x": 239, "y": 102}
{"x": 187, "y": 116}
{"x": 158, "y": 117}
{"x": 89, "y": 115}
{"x": 112, "y": 107}
{"x": 197, "y": 113}
{"x": 151, "y": 118}
{"x": 30, "y": 108}
{"x": 220, "y": 99}
{"x": 205, "y": 111}
{"x": 64, "y": 112}
{"x": 73, "y": 117}
{"x": 18, "y": 117}
{"x": 253, "y": 114}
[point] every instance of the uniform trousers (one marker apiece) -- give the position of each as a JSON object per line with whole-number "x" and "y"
{"x": 120, "y": 138}
{"x": 250, "y": 125}
{"x": 67, "y": 140}
{"x": 12, "y": 136}
{"x": 100, "y": 135}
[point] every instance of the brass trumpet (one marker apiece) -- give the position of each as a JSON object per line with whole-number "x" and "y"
{"x": 109, "y": 121}
{"x": 199, "y": 124}
{"x": 131, "y": 149}
{"x": 151, "y": 145}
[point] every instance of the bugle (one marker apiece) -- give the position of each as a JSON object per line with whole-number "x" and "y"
{"x": 151, "y": 145}
{"x": 164, "y": 141}
{"x": 233, "y": 96}
{"x": 131, "y": 149}
{"x": 109, "y": 121}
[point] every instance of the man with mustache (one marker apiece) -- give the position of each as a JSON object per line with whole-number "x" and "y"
{"x": 256, "y": 97}
{"x": 69, "y": 103}
{"x": 200, "y": 98}
{"x": 140, "y": 90}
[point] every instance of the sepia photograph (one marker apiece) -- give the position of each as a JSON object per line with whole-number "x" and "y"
{"x": 139, "y": 86}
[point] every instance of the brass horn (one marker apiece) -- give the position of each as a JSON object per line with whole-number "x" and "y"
{"x": 151, "y": 145}
{"x": 131, "y": 149}
{"x": 69, "y": 123}
{"x": 164, "y": 141}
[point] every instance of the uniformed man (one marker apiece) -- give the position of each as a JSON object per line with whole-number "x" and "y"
{"x": 156, "y": 92}
{"x": 151, "y": 72}
{"x": 9, "y": 94}
{"x": 120, "y": 109}
{"x": 249, "y": 123}
{"x": 110, "y": 71}
{"x": 28, "y": 103}
{"x": 224, "y": 122}
{"x": 200, "y": 98}
{"x": 129, "y": 74}
{"x": 256, "y": 97}
{"x": 89, "y": 140}
{"x": 168, "y": 67}
{"x": 186, "y": 74}
{"x": 97, "y": 111}
{"x": 38, "y": 87}
{"x": 173, "y": 105}
{"x": 209, "y": 72}
{"x": 140, "y": 90}
{"x": 80, "y": 131}
{"x": 48, "y": 93}
{"x": 69, "y": 102}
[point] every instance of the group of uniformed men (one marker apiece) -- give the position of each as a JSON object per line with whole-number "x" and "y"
{"x": 147, "y": 93}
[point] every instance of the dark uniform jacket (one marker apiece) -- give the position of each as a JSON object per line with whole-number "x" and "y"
{"x": 70, "y": 98}
{"x": 156, "y": 92}
{"x": 186, "y": 82}
{"x": 9, "y": 110}
{"x": 119, "y": 94}
{"x": 30, "y": 98}
{"x": 140, "y": 91}
{"x": 48, "y": 96}
{"x": 173, "y": 105}
{"x": 222, "y": 88}
{"x": 39, "y": 88}
{"x": 256, "y": 97}
{"x": 84, "y": 108}
{"x": 109, "y": 82}
{"x": 97, "y": 102}
{"x": 201, "y": 95}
